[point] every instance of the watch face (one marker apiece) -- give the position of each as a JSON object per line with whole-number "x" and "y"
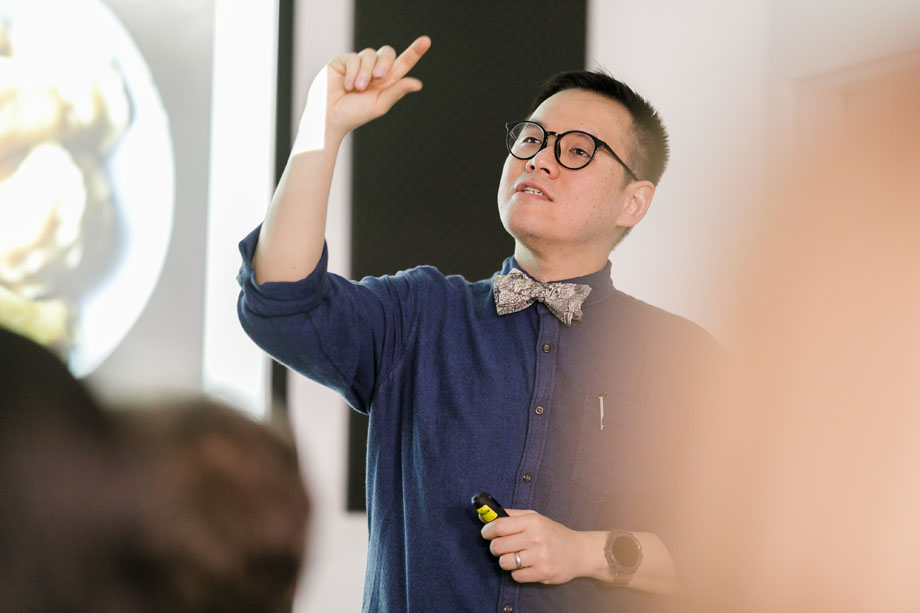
{"x": 625, "y": 551}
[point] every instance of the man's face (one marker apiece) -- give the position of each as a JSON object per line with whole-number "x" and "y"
{"x": 576, "y": 209}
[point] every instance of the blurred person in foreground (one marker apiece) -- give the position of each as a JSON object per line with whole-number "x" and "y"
{"x": 69, "y": 513}
{"x": 545, "y": 386}
{"x": 803, "y": 495}
{"x": 179, "y": 505}
{"x": 227, "y": 509}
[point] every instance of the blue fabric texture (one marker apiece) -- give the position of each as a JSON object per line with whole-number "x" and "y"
{"x": 452, "y": 391}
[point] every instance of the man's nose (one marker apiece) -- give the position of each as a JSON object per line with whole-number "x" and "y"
{"x": 545, "y": 159}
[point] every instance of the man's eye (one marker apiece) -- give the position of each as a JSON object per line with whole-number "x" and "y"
{"x": 530, "y": 140}
{"x": 578, "y": 151}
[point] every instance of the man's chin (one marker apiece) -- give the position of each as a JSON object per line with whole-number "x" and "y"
{"x": 524, "y": 221}
{"x": 528, "y": 237}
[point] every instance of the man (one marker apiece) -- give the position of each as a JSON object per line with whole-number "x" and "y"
{"x": 467, "y": 386}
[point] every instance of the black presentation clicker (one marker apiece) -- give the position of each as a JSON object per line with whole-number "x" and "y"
{"x": 488, "y": 508}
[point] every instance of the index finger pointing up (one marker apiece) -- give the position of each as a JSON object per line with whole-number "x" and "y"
{"x": 410, "y": 57}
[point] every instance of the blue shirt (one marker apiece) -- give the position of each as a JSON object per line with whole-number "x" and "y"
{"x": 462, "y": 400}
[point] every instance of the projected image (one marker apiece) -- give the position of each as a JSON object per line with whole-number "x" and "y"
{"x": 86, "y": 178}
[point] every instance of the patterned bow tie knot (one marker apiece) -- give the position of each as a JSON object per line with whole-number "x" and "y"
{"x": 516, "y": 291}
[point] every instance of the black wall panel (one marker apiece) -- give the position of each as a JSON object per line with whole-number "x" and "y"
{"x": 284, "y": 138}
{"x": 425, "y": 176}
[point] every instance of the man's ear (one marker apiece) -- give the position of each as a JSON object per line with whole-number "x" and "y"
{"x": 640, "y": 199}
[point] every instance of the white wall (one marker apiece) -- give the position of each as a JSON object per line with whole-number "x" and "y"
{"x": 702, "y": 65}
{"x": 820, "y": 36}
{"x": 720, "y": 73}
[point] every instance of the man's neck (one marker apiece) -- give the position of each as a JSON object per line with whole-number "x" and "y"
{"x": 547, "y": 267}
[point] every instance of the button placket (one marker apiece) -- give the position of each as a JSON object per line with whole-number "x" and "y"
{"x": 535, "y": 437}
{"x": 535, "y": 440}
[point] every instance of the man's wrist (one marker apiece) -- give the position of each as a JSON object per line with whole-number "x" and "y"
{"x": 595, "y": 560}
{"x": 623, "y": 552}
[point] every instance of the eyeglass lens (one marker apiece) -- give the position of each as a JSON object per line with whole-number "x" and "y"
{"x": 574, "y": 149}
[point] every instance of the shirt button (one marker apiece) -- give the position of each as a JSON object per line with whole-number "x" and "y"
{"x": 547, "y": 348}
{"x": 508, "y": 608}
{"x": 527, "y": 477}
{"x": 538, "y": 410}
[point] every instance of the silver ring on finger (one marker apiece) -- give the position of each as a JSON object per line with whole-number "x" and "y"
{"x": 517, "y": 559}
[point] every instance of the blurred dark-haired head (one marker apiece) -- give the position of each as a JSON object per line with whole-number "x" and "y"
{"x": 180, "y": 505}
{"x": 228, "y": 510}
{"x": 66, "y": 513}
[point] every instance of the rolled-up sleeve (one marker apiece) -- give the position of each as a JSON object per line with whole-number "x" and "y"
{"x": 347, "y": 335}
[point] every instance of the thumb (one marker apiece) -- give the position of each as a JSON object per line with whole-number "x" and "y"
{"x": 395, "y": 93}
{"x": 517, "y": 512}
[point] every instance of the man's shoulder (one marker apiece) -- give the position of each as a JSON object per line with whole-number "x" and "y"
{"x": 660, "y": 325}
{"x": 679, "y": 360}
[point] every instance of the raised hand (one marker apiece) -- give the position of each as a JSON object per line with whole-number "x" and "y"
{"x": 349, "y": 91}
{"x": 363, "y": 86}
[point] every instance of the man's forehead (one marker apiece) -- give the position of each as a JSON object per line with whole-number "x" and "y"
{"x": 580, "y": 109}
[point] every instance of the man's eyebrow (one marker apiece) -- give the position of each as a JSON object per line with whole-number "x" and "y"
{"x": 586, "y": 129}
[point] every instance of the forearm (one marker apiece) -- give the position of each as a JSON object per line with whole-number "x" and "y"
{"x": 656, "y": 574}
{"x": 549, "y": 552}
{"x": 291, "y": 241}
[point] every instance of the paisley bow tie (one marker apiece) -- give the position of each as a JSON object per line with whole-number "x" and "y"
{"x": 516, "y": 291}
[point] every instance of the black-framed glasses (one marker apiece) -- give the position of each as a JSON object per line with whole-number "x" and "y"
{"x": 574, "y": 149}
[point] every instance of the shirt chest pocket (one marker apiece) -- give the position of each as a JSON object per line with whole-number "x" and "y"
{"x": 612, "y": 444}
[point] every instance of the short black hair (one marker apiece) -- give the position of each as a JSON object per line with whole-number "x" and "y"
{"x": 649, "y": 155}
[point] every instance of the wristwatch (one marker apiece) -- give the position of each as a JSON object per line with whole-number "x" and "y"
{"x": 624, "y": 555}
